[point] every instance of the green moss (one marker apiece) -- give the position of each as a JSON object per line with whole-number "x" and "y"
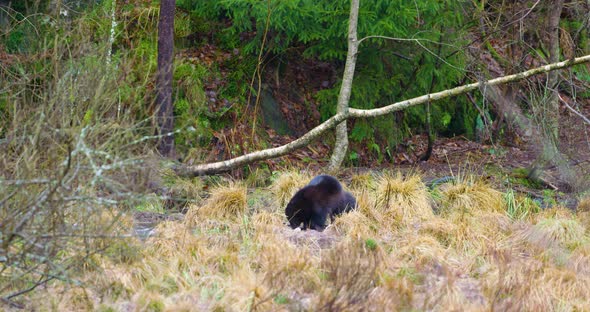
{"x": 155, "y": 306}
{"x": 150, "y": 203}
{"x": 520, "y": 176}
{"x": 371, "y": 244}
{"x": 123, "y": 251}
{"x": 105, "y": 308}
{"x": 281, "y": 299}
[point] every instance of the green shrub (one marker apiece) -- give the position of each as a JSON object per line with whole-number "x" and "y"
{"x": 387, "y": 70}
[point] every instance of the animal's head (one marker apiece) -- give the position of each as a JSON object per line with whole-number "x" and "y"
{"x": 294, "y": 214}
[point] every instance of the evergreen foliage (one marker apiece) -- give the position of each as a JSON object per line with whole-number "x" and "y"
{"x": 387, "y": 70}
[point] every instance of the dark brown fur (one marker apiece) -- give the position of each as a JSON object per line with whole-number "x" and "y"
{"x": 312, "y": 205}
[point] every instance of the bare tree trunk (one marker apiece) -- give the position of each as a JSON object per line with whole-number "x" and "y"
{"x": 345, "y": 89}
{"x": 217, "y": 167}
{"x": 552, "y": 112}
{"x": 429, "y": 129}
{"x": 547, "y": 114}
{"x": 165, "y": 110}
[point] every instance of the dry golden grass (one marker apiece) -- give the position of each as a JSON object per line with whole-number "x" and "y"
{"x": 268, "y": 220}
{"x": 555, "y": 232}
{"x": 363, "y": 221}
{"x": 583, "y": 212}
{"x": 226, "y": 202}
{"x": 584, "y": 205}
{"x": 355, "y": 224}
{"x": 390, "y": 254}
{"x": 417, "y": 250}
{"x": 442, "y": 229}
{"x": 287, "y": 184}
{"x": 173, "y": 240}
{"x": 403, "y": 199}
{"x": 464, "y": 199}
{"x": 363, "y": 182}
{"x": 365, "y": 202}
{"x": 557, "y": 212}
{"x": 350, "y": 271}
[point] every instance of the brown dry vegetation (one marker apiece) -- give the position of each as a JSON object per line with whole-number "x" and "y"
{"x": 234, "y": 253}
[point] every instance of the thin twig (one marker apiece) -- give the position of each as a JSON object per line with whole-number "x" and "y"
{"x": 12, "y": 304}
{"x": 573, "y": 110}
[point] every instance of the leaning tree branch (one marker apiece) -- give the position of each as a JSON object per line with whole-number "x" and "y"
{"x": 221, "y": 166}
{"x": 465, "y": 88}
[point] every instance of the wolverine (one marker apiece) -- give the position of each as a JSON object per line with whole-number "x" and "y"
{"x": 312, "y": 204}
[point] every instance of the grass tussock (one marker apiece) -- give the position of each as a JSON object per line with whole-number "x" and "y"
{"x": 265, "y": 220}
{"x": 464, "y": 199}
{"x": 172, "y": 240}
{"x": 363, "y": 221}
{"x": 349, "y": 271}
{"x": 555, "y": 232}
{"x": 363, "y": 182}
{"x": 226, "y": 202}
{"x": 273, "y": 278}
{"x": 287, "y": 184}
{"x": 584, "y": 205}
{"x": 520, "y": 207}
{"x": 474, "y": 234}
{"x": 442, "y": 229}
{"x": 355, "y": 224}
{"x": 420, "y": 250}
{"x": 403, "y": 199}
{"x": 556, "y": 212}
{"x": 583, "y": 212}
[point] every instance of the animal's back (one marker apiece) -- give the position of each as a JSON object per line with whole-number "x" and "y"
{"x": 312, "y": 204}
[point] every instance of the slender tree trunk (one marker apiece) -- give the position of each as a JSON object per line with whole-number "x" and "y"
{"x": 165, "y": 109}
{"x": 548, "y": 115}
{"x": 344, "y": 97}
{"x": 433, "y": 81}
{"x": 552, "y": 108}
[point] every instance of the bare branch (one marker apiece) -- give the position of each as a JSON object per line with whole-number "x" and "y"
{"x": 225, "y": 165}
{"x": 586, "y": 120}
{"x": 217, "y": 167}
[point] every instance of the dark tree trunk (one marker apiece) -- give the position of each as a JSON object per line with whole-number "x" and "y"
{"x": 165, "y": 111}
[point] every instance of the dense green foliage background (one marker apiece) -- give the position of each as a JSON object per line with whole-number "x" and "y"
{"x": 387, "y": 70}
{"x": 427, "y": 49}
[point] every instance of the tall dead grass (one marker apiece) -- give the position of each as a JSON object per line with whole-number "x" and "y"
{"x": 226, "y": 202}
{"x": 402, "y": 200}
{"x": 287, "y": 184}
{"x": 468, "y": 197}
{"x": 471, "y": 257}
